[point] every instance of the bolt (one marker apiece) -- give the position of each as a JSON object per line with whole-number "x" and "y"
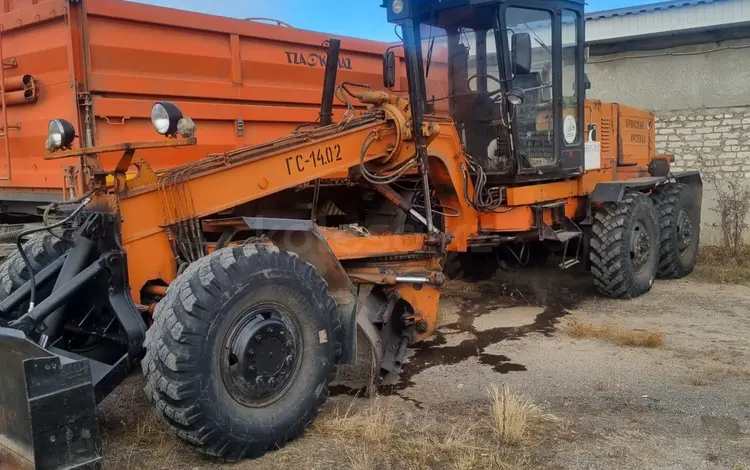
{"x": 269, "y": 329}
{"x": 271, "y": 382}
{"x": 251, "y": 368}
{"x": 281, "y": 332}
{"x": 289, "y": 359}
{"x": 288, "y": 344}
{"x": 258, "y": 338}
{"x": 251, "y": 352}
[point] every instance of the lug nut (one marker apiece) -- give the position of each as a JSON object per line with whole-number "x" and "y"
{"x": 251, "y": 352}
{"x": 258, "y": 338}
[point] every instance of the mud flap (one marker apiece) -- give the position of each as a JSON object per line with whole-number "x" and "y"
{"x": 47, "y": 408}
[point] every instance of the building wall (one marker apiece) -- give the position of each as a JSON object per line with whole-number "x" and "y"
{"x": 701, "y": 96}
{"x": 710, "y": 75}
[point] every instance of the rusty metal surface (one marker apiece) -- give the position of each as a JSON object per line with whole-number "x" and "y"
{"x": 149, "y": 144}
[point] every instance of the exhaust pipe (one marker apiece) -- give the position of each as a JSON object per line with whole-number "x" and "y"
{"x": 22, "y": 82}
{"x": 20, "y": 97}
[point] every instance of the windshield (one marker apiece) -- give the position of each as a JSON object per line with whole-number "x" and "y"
{"x": 534, "y": 118}
{"x": 460, "y": 56}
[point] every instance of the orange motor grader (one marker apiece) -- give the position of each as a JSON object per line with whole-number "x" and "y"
{"x": 239, "y": 281}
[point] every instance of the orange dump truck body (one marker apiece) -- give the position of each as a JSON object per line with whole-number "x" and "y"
{"x": 101, "y": 64}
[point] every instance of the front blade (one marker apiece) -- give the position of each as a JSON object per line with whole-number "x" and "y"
{"x": 47, "y": 408}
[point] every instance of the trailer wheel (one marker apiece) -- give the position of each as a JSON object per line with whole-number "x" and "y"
{"x": 242, "y": 350}
{"x": 42, "y": 249}
{"x": 625, "y": 246}
{"x": 679, "y": 221}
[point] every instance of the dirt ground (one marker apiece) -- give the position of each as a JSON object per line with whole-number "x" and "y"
{"x": 682, "y": 405}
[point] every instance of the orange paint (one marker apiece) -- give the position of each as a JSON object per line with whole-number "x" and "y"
{"x": 216, "y": 69}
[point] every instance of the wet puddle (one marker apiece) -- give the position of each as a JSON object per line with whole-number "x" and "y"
{"x": 481, "y": 300}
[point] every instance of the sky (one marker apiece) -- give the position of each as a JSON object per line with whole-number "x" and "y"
{"x": 356, "y": 18}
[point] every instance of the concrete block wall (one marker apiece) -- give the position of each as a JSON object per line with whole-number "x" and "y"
{"x": 715, "y": 141}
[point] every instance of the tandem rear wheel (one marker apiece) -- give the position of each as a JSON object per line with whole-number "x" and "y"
{"x": 624, "y": 247}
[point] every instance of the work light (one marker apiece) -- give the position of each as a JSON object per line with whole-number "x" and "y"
{"x": 515, "y": 96}
{"x": 165, "y": 116}
{"x": 60, "y": 135}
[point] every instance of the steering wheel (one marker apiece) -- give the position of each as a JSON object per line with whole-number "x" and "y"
{"x": 494, "y": 79}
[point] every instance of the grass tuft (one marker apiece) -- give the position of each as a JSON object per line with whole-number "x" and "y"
{"x": 615, "y": 334}
{"x": 515, "y": 417}
{"x": 374, "y": 424}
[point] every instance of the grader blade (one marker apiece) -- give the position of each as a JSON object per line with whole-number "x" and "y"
{"x": 47, "y": 408}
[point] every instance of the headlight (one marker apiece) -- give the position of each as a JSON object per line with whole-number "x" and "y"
{"x": 398, "y": 6}
{"x": 165, "y": 116}
{"x": 515, "y": 96}
{"x": 60, "y": 135}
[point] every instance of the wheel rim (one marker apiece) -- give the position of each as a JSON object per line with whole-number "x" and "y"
{"x": 260, "y": 356}
{"x": 640, "y": 247}
{"x": 684, "y": 232}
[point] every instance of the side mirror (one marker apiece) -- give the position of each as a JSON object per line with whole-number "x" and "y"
{"x": 521, "y": 53}
{"x": 389, "y": 69}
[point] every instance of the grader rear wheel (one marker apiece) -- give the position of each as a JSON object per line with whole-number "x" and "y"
{"x": 625, "y": 247}
{"x": 679, "y": 221}
{"x": 241, "y": 352}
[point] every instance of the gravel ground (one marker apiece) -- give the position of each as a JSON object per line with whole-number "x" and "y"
{"x": 685, "y": 405}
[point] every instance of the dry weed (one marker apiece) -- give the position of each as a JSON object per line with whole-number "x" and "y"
{"x": 717, "y": 373}
{"x": 378, "y": 434}
{"x": 515, "y": 417}
{"x": 373, "y": 424}
{"x": 615, "y": 334}
{"x": 607, "y": 383}
{"x": 723, "y": 265}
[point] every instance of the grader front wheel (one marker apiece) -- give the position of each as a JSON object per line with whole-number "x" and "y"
{"x": 625, "y": 246}
{"x": 241, "y": 352}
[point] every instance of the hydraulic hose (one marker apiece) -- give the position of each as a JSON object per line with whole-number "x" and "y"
{"x": 25, "y": 233}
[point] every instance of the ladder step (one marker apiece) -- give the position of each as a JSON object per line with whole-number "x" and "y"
{"x": 565, "y": 235}
{"x": 569, "y": 263}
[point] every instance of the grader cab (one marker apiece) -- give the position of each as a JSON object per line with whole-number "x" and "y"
{"x": 238, "y": 282}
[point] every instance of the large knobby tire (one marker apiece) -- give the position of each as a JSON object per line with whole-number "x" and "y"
{"x": 679, "y": 221}
{"x": 42, "y": 248}
{"x": 216, "y": 342}
{"x": 625, "y": 247}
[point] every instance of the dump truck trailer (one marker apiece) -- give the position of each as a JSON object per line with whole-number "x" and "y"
{"x": 100, "y": 64}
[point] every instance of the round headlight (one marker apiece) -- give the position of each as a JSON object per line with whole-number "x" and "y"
{"x": 397, "y": 6}
{"x": 60, "y": 134}
{"x": 165, "y": 116}
{"x": 515, "y": 96}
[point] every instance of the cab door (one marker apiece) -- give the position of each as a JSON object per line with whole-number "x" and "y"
{"x": 548, "y": 125}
